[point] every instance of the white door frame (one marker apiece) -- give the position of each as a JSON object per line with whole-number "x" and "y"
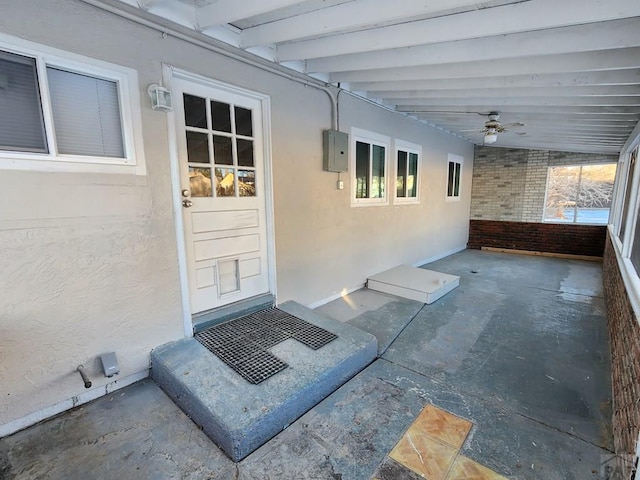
{"x": 168, "y": 73}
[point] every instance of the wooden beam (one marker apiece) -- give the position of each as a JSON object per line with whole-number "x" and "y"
{"x": 578, "y": 38}
{"x": 504, "y": 20}
{"x": 227, "y": 11}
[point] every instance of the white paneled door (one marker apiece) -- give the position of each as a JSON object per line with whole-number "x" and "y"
{"x": 223, "y": 193}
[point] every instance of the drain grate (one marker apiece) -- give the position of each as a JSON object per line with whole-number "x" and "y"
{"x": 243, "y": 343}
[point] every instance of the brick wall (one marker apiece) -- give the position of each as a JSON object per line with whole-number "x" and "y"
{"x": 509, "y": 183}
{"x": 624, "y": 335}
{"x": 538, "y": 237}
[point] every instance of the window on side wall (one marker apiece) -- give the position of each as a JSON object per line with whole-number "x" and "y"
{"x": 67, "y": 112}
{"x": 407, "y": 172}
{"x": 369, "y": 167}
{"x": 454, "y": 176}
{"x": 579, "y": 194}
{"x": 626, "y": 199}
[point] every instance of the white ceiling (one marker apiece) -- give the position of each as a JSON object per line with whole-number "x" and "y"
{"x": 568, "y": 69}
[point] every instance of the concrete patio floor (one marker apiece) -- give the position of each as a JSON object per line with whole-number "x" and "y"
{"x": 520, "y": 349}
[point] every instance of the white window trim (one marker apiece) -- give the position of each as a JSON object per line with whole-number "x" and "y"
{"x": 452, "y": 157}
{"x": 131, "y": 117}
{"x": 546, "y": 192}
{"x": 371, "y": 138}
{"x": 405, "y": 146}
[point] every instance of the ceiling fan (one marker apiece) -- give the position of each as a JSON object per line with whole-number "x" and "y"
{"x": 493, "y": 126}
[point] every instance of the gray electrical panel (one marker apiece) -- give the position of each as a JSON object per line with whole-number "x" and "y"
{"x": 336, "y": 151}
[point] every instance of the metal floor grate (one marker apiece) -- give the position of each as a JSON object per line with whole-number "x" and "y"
{"x": 243, "y": 343}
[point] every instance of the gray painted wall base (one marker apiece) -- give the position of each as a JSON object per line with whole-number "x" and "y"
{"x": 240, "y": 417}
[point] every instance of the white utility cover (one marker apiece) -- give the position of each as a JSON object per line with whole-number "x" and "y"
{"x": 414, "y": 283}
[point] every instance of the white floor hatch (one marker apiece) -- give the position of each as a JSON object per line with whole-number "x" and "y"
{"x": 414, "y": 283}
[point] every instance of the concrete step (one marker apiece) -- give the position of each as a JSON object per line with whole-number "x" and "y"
{"x": 240, "y": 417}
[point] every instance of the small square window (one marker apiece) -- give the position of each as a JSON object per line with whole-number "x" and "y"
{"x": 407, "y": 170}
{"x": 454, "y": 175}
{"x": 369, "y": 168}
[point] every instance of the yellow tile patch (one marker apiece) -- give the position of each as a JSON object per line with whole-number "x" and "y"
{"x": 443, "y": 426}
{"x": 466, "y": 469}
{"x": 424, "y": 455}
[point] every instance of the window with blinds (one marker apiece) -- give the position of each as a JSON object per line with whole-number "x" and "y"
{"x": 63, "y": 111}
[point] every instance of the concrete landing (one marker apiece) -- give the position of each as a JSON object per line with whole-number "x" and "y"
{"x": 418, "y": 284}
{"x": 238, "y": 416}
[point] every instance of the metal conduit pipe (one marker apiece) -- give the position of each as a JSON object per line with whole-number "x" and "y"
{"x": 85, "y": 377}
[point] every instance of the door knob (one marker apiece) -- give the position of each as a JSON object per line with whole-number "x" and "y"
{"x": 187, "y": 203}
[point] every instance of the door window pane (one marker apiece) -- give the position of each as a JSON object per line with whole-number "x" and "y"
{"x": 247, "y": 183}
{"x": 401, "y": 181}
{"x": 377, "y": 172}
{"x": 195, "y": 111}
{"x": 245, "y": 153}
{"x": 198, "y": 147}
{"x": 23, "y": 129}
{"x": 244, "y": 124}
{"x": 222, "y": 153}
{"x": 86, "y": 114}
{"x": 225, "y": 182}
{"x": 220, "y": 117}
{"x": 200, "y": 182}
{"x": 362, "y": 170}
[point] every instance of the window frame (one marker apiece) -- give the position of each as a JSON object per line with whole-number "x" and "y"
{"x": 371, "y": 138}
{"x": 129, "y": 104}
{"x": 409, "y": 147}
{"x": 458, "y": 159}
{"x": 575, "y": 218}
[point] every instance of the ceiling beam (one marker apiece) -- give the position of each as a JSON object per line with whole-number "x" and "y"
{"x": 617, "y": 77}
{"x": 227, "y": 11}
{"x": 579, "y": 38}
{"x": 496, "y": 103}
{"x": 599, "y": 91}
{"x": 578, "y": 62}
{"x": 484, "y": 109}
{"x": 507, "y": 19}
{"x": 345, "y": 16}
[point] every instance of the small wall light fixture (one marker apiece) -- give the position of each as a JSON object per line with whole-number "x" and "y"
{"x": 160, "y": 98}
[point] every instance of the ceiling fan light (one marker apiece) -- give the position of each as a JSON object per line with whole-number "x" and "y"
{"x": 490, "y": 138}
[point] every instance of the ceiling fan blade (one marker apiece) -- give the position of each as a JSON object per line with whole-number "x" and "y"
{"x": 478, "y": 130}
{"x": 514, "y": 124}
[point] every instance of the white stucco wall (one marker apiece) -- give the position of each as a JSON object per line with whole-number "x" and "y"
{"x": 88, "y": 262}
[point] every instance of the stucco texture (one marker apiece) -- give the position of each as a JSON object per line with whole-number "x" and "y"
{"x": 89, "y": 261}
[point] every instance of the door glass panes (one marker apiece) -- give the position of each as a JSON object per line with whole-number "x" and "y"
{"x": 362, "y": 169}
{"x": 456, "y": 183}
{"x": 377, "y": 172}
{"x": 198, "y": 147}
{"x": 222, "y": 150}
{"x": 244, "y": 124}
{"x": 23, "y": 129}
{"x": 247, "y": 183}
{"x": 221, "y": 116}
{"x": 195, "y": 111}
{"x": 233, "y": 160}
{"x": 225, "y": 182}
{"x": 401, "y": 181}
{"x": 245, "y": 152}
{"x": 200, "y": 182}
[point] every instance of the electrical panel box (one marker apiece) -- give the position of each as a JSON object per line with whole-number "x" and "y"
{"x": 336, "y": 151}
